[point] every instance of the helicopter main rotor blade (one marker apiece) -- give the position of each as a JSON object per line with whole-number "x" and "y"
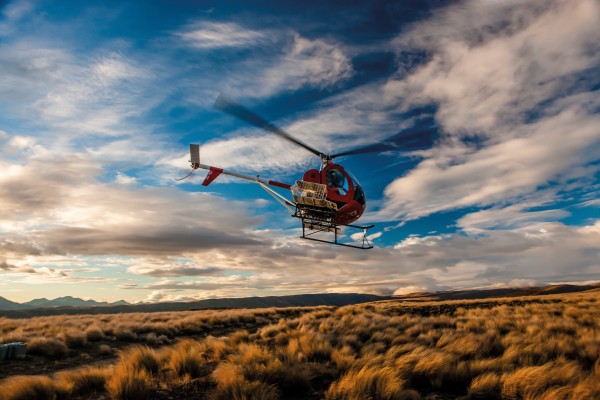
{"x": 237, "y": 110}
{"x": 416, "y": 138}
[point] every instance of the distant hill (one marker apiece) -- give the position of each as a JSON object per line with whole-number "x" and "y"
{"x": 66, "y": 301}
{"x": 73, "y": 305}
{"x": 325, "y": 299}
{"x": 6, "y": 304}
{"x": 503, "y": 292}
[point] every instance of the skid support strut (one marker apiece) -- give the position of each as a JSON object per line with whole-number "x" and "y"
{"x": 317, "y": 220}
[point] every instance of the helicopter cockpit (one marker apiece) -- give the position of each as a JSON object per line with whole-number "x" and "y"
{"x": 337, "y": 180}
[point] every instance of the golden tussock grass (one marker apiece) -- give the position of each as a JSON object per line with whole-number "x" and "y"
{"x": 141, "y": 357}
{"x": 370, "y": 383}
{"x": 244, "y": 390}
{"x": 159, "y": 328}
{"x": 48, "y": 347}
{"x": 485, "y": 387}
{"x": 85, "y": 381}
{"x": 514, "y": 348}
{"x": 27, "y": 388}
{"x": 187, "y": 360}
{"x": 127, "y": 383}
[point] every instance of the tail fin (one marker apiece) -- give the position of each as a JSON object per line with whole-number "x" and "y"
{"x": 195, "y": 155}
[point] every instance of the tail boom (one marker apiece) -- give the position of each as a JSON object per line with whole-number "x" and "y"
{"x": 214, "y": 172}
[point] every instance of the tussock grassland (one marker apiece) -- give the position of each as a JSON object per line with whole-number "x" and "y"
{"x": 54, "y": 337}
{"x": 525, "y": 348}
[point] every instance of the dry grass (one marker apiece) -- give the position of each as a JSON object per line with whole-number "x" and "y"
{"x": 533, "y": 348}
{"x": 85, "y": 381}
{"x": 51, "y": 348}
{"x": 244, "y": 390}
{"x": 127, "y": 383}
{"x": 27, "y": 388}
{"x": 370, "y": 382}
{"x": 84, "y": 331}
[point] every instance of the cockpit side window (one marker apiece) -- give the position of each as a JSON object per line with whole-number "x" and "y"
{"x": 359, "y": 195}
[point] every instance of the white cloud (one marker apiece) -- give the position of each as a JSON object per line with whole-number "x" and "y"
{"x": 124, "y": 179}
{"x": 514, "y": 216}
{"x": 410, "y": 290}
{"x": 63, "y": 209}
{"x": 311, "y": 63}
{"x": 95, "y": 98}
{"x": 285, "y": 62}
{"x": 486, "y": 85}
{"x": 540, "y": 253}
{"x": 212, "y": 35}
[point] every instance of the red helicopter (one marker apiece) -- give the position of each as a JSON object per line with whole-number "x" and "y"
{"x": 326, "y": 198}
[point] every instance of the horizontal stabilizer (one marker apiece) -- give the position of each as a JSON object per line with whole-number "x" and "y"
{"x": 213, "y": 173}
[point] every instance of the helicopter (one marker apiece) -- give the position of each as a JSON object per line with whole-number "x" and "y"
{"x": 325, "y": 199}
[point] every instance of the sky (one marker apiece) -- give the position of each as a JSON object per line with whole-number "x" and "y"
{"x": 99, "y": 101}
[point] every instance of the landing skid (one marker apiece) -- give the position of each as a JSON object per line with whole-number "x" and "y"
{"x": 323, "y": 222}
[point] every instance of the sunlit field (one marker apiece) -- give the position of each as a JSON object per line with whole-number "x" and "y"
{"x": 544, "y": 347}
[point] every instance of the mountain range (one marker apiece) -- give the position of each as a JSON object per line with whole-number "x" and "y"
{"x": 70, "y": 305}
{"x": 66, "y": 301}
{"x": 73, "y": 305}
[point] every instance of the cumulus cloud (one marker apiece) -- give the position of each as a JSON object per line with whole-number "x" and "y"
{"x": 516, "y": 90}
{"x": 80, "y": 215}
{"x": 544, "y": 252}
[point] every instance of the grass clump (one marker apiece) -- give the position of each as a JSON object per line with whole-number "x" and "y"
{"x": 27, "y": 388}
{"x": 370, "y": 383}
{"x": 82, "y": 382}
{"x": 47, "y": 347}
{"x": 245, "y": 390}
{"x": 126, "y": 383}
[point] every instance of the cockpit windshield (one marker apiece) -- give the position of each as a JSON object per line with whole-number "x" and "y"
{"x": 337, "y": 180}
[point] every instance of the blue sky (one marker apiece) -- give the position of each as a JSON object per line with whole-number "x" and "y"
{"x": 99, "y": 101}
